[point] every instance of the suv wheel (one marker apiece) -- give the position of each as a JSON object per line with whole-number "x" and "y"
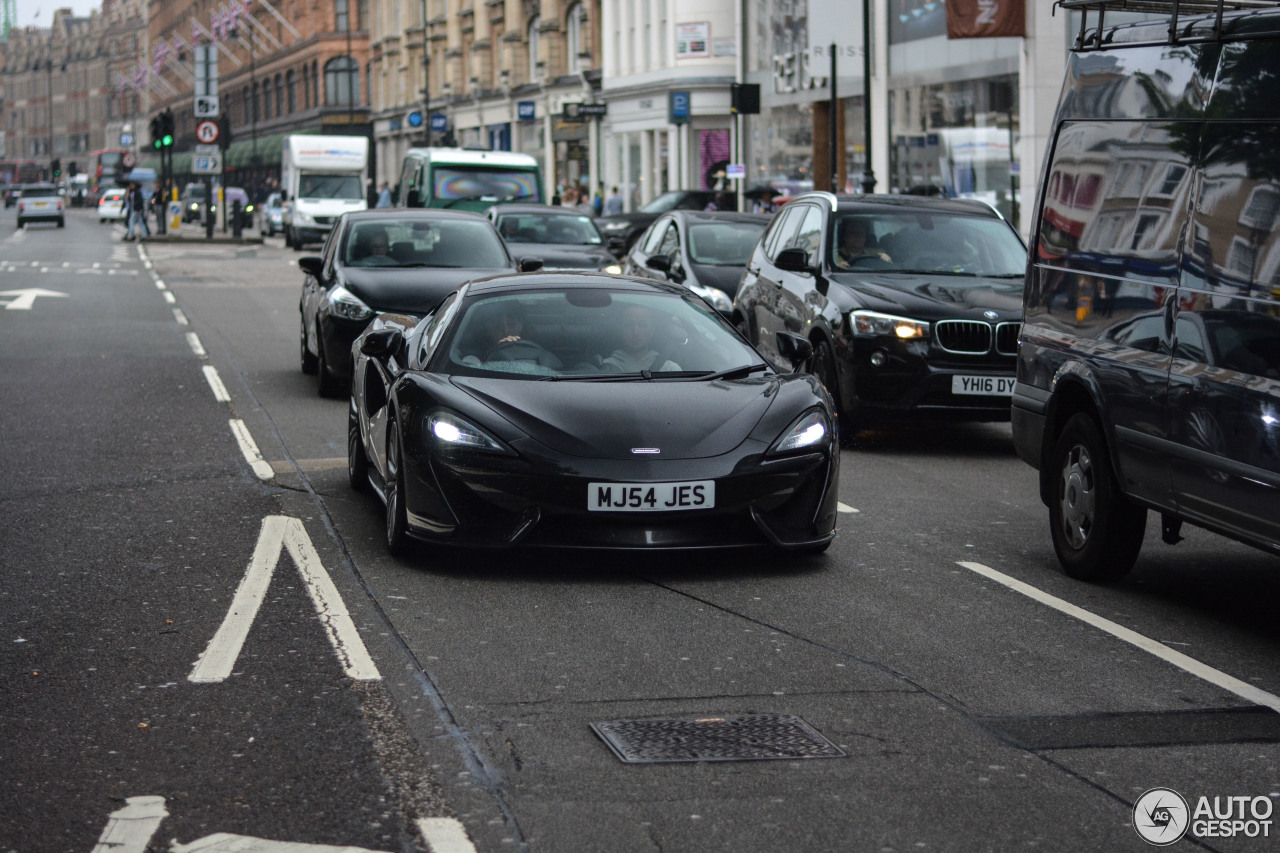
{"x": 823, "y": 366}
{"x": 1097, "y": 531}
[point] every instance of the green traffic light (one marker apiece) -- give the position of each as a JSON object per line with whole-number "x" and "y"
{"x": 166, "y": 141}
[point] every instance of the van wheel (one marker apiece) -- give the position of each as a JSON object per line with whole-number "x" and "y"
{"x": 1097, "y": 531}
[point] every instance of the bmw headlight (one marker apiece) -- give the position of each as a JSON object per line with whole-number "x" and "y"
{"x": 870, "y": 324}
{"x": 809, "y": 431}
{"x": 451, "y": 431}
{"x": 718, "y": 299}
{"x": 347, "y": 305}
{"x": 613, "y": 269}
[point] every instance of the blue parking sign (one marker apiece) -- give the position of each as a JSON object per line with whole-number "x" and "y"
{"x": 678, "y": 111}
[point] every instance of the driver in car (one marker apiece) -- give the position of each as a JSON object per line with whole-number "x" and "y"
{"x": 854, "y": 235}
{"x": 503, "y": 327}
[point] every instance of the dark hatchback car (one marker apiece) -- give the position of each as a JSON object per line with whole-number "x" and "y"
{"x": 705, "y": 251}
{"x": 563, "y": 238}
{"x": 1149, "y": 365}
{"x": 402, "y": 261}
{"x": 583, "y": 410}
{"x": 912, "y": 304}
{"x": 627, "y": 227}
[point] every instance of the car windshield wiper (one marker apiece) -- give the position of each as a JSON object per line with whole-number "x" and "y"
{"x": 733, "y": 372}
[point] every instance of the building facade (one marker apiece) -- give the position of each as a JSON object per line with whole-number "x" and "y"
{"x": 59, "y": 95}
{"x": 501, "y": 74}
{"x": 288, "y": 66}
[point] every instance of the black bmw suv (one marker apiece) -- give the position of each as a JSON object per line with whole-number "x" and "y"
{"x": 912, "y": 304}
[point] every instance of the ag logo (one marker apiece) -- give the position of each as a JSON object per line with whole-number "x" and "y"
{"x": 1161, "y": 816}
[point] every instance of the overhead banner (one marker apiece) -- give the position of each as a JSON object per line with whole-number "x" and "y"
{"x": 976, "y": 19}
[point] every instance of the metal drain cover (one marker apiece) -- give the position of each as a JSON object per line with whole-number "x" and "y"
{"x": 751, "y": 737}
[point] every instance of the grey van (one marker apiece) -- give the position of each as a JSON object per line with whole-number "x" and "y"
{"x": 1149, "y": 363}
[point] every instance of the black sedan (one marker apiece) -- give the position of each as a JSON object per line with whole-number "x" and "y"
{"x": 562, "y": 238}
{"x": 913, "y": 305}
{"x": 706, "y": 251}
{"x": 626, "y": 228}
{"x": 387, "y": 260}
{"x": 583, "y": 410}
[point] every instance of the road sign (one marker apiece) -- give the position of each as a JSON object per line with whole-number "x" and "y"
{"x": 206, "y": 164}
{"x": 207, "y": 150}
{"x": 207, "y": 132}
{"x": 126, "y": 139}
{"x": 129, "y": 160}
{"x": 678, "y": 108}
{"x": 735, "y": 170}
{"x": 207, "y": 106}
{"x": 414, "y": 119}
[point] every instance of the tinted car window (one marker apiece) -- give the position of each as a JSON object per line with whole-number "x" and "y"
{"x": 423, "y": 243}
{"x": 670, "y": 244}
{"x": 809, "y": 234}
{"x": 782, "y": 231}
{"x": 726, "y": 244}
{"x": 654, "y": 238}
{"x": 38, "y": 191}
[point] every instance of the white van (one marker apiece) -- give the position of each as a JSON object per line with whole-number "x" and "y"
{"x": 321, "y": 178}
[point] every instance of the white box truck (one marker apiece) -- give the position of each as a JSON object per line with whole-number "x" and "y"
{"x": 321, "y": 178}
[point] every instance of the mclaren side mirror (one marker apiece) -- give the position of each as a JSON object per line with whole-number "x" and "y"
{"x": 530, "y": 264}
{"x": 661, "y": 263}
{"x": 381, "y": 343}
{"x": 795, "y": 348}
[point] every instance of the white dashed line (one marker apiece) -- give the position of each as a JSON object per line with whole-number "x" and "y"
{"x": 170, "y": 298}
{"x": 845, "y": 508}
{"x": 196, "y": 347}
{"x": 215, "y": 382}
{"x": 180, "y": 317}
{"x": 159, "y": 284}
{"x": 1178, "y": 659}
{"x": 250, "y": 450}
{"x": 445, "y": 835}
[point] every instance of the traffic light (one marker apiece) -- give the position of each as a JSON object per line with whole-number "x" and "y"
{"x": 73, "y": 169}
{"x": 56, "y": 168}
{"x": 224, "y": 132}
{"x": 745, "y": 98}
{"x": 155, "y": 132}
{"x": 166, "y": 129}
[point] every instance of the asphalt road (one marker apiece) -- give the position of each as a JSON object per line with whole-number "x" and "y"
{"x": 935, "y": 645}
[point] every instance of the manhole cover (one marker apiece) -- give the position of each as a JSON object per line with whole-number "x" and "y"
{"x": 741, "y": 738}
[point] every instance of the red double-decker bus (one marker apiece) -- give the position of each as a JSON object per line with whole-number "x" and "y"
{"x": 19, "y": 171}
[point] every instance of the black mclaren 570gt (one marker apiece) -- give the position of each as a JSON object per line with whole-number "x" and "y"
{"x": 582, "y": 410}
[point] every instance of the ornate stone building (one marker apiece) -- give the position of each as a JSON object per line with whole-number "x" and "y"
{"x": 60, "y": 98}
{"x": 285, "y": 66}
{"x": 500, "y": 74}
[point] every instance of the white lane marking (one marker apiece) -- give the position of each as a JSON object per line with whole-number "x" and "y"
{"x": 193, "y": 340}
{"x": 445, "y": 835}
{"x": 278, "y": 533}
{"x": 842, "y": 507}
{"x": 159, "y": 284}
{"x": 215, "y": 382}
{"x": 226, "y": 842}
{"x": 26, "y": 298}
{"x": 170, "y": 298}
{"x": 180, "y": 317}
{"x": 129, "y": 830}
{"x": 1178, "y": 659}
{"x": 250, "y": 450}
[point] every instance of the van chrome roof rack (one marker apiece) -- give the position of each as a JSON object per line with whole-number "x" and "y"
{"x": 1173, "y": 8}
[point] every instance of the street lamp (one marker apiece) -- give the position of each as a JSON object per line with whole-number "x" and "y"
{"x": 426, "y": 79}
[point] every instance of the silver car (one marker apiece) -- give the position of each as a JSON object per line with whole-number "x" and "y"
{"x": 40, "y": 202}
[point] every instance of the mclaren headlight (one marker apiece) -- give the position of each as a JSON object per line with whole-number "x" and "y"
{"x": 872, "y": 324}
{"x": 347, "y": 305}
{"x": 612, "y": 269}
{"x": 449, "y": 431}
{"x": 810, "y": 430}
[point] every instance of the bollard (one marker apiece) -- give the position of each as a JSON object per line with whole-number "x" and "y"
{"x": 236, "y": 225}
